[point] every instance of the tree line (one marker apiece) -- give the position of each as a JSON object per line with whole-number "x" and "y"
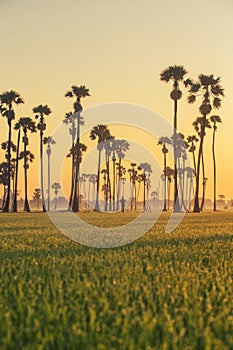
{"x": 110, "y": 179}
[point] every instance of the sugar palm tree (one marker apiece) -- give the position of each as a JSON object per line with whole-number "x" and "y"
{"x": 211, "y": 92}
{"x": 122, "y": 146}
{"x": 25, "y": 124}
{"x": 146, "y": 168}
{"x": 133, "y": 179}
{"x": 100, "y": 133}
{"x": 37, "y": 196}
{"x": 191, "y": 140}
{"x": 198, "y": 126}
{"x": 164, "y": 141}
{"x": 7, "y": 100}
{"x": 56, "y": 187}
{"x": 215, "y": 119}
{"x": 40, "y": 112}
{"x": 169, "y": 174}
{"x": 28, "y": 157}
{"x": 48, "y": 141}
{"x": 175, "y": 74}
{"x": 4, "y": 179}
{"x": 76, "y": 92}
{"x": 77, "y": 152}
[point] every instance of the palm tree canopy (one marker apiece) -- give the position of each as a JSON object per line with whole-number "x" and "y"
{"x": 26, "y": 124}
{"x": 101, "y": 133}
{"x": 174, "y": 73}
{"x": 78, "y": 91}
{"x": 49, "y": 140}
{"x": 121, "y": 146}
{"x": 145, "y": 167}
{"x": 215, "y": 119}
{"x": 164, "y": 140}
{"x": 9, "y": 97}
{"x": 41, "y": 110}
{"x": 4, "y": 146}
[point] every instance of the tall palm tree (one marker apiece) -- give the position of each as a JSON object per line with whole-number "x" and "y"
{"x": 77, "y": 152}
{"x": 56, "y": 187}
{"x": 133, "y": 179}
{"x": 191, "y": 140}
{"x": 76, "y": 92}
{"x": 108, "y": 147}
{"x": 49, "y": 141}
{"x": 146, "y": 168}
{"x": 122, "y": 146}
{"x": 4, "y": 179}
{"x": 37, "y": 196}
{"x": 215, "y": 119}
{"x": 7, "y": 100}
{"x": 27, "y": 156}
{"x": 175, "y": 74}
{"x": 26, "y": 124}
{"x": 100, "y": 133}
{"x": 164, "y": 141}
{"x": 169, "y": 174}
{"x": 198, "y": 126}
{"x": 40, "y": 112}
{"x": 211, "y": 92}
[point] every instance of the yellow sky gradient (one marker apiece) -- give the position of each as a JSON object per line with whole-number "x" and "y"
{"x": 117, "y": 49}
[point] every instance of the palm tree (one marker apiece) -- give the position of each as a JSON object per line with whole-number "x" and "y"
{"x": 26, "y": 124}
{"x": 56, "y": 187}
{"x": 169, "y": 174}
{"x": 76, "y": 92}
{"x": 190, "y": 173}
{"x": 7, "y": 99}
{"x": 5, "y": 147}
{"x": 146, "y": 168}
{"x": 49, "y": 141}
{"x": 99, "y": 133}
{"x": 4, "y": 179}
{"x": 191, "y": 140}
{"x": 210, "y": 90}
{"x": 164, "y": 141}
{"x": 133, "y": 178}
{"x": 37, "y": 196}
{"x": 121, "y": 147}
{"x": 93, "y": 180}
{"x": 215, "y": 119}
{"x": 40, "y": 113}
{"x": 154, "y": 197}
{"x": 175, "y": 74}
{"x": 198, "y": 126}
{"x": 77, "y": 152}
{"x": 27, "y": 156}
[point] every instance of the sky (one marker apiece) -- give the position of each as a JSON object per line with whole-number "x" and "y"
{"x": 118, "y": 50}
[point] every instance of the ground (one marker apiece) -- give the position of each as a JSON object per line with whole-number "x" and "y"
{"x": 164, "y": 291}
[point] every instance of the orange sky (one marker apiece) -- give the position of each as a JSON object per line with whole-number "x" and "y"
{"x": 118, "y": 50}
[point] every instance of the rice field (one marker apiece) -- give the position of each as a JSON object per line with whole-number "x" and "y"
{"x": 164, "y": 291}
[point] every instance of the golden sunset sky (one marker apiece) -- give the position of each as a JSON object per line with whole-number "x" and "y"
{"x": 118, "y": 50}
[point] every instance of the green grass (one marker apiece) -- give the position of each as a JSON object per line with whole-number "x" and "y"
{"x": 164, "y": 291}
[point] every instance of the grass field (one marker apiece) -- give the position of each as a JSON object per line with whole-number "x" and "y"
{"x": 164, "y": 291}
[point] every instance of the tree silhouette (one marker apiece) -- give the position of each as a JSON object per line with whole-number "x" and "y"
{"x": 48, "y": 141}
{"x": 121, "y": 147}
{"x": 77, "y": 152}
{"x": 37, "y": 196}
{"x": 56, "y": 187}
{"x": 26, "y": 124}
{"x": 40, "y": 113}
{"x": 191, "y": 140}
{"x": 215, "y": 119}
{"x": 175, "y": 74}
{"x": 100, "y": 133}
{"x": 28, "y": 157}
{"x": 210, "y": 90}
{"x": 7, "y": 100}
{"x": 76, "y": 120}
{"x": 146, "y": 168}
{"x": 164, "y": 141}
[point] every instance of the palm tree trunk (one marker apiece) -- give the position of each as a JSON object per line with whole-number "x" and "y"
{"x": 118, "y": 184}
{"x": 176, "y": 199}
{"x": 97, "y": 207}
{"x": 200, "y": 151}
{"x": 16, "y": 175}
{"x": 165, "y": 182}
{"x": 194, "y": 162}
{"x": 144, "y": 192}
{"x": 41, "y": 170}
{"x": 203, "y": 182}
{"x": 215, "y": 172}
{"x": 114, "y": 184}
{"x": 48, "y": 182}
{"x": 72, "y": 169}
{"x": 26, "y": 204}
{"x": 7, "y": 202}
